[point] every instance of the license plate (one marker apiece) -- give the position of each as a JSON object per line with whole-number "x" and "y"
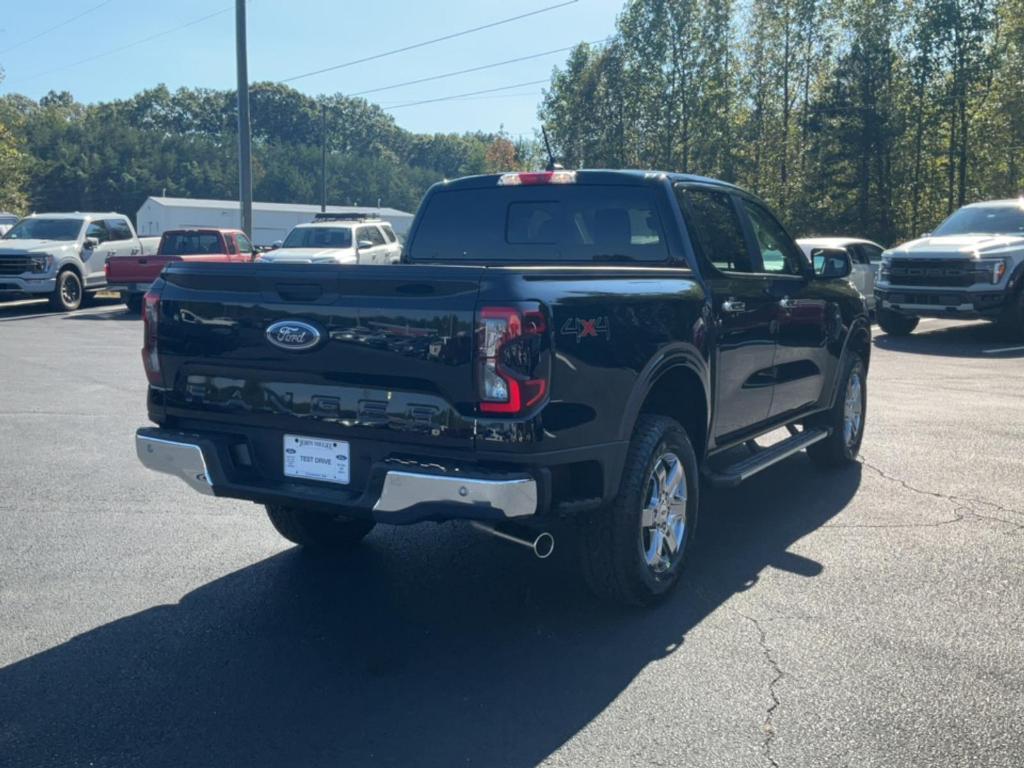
{"x": 316, "y": 458}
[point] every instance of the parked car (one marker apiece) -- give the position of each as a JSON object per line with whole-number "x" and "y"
{"x": 62, "y": 255}
{"x": 7, "y": 220}
{"x": 561, "y": 350}
{"x": 131, "y": 276}
{"x": 971, "y": 266}
{"x": 342, "y": 240}
{"x": 865, "y": 255}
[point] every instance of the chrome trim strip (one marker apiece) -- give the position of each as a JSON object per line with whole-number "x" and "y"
{"x": 184, "y": 460}
{"x": 402, "y": 490}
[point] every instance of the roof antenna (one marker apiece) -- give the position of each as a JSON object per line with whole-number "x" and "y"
{"x": 553, "y": 165}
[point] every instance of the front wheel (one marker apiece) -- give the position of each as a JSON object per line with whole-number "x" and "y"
{"x": 895, "y": 323}
{"x": 845, "y": 419}
{"x": 67, "y": 295}
{"x": 318, "y": 530}
{"x": 634, "y": 550}
{"x": 1011, "y": 323}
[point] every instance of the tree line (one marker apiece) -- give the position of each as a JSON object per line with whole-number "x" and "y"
{"x": 58, "y": 154}
{"x": 874, "y": 118}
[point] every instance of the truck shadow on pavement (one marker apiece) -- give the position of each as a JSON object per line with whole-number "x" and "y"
{"x": 429, "y": 646}
{"x": 981, "y": 340}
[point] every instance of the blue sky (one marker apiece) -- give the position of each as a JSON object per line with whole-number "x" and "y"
{"x": 291, "y": 37}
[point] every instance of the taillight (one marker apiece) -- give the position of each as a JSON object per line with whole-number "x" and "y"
{"x": 513, "y": 366}
{"x": 151, "y": 321}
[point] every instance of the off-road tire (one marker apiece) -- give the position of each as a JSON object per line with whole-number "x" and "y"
{"x": 68, "y": 293}
{"x": 896, "y": 324}
{"x": 318, "y": 530}
{"x": 835, "y": 450}
{"x": 1011, "y": 321}
{"x": 611, "y": 553}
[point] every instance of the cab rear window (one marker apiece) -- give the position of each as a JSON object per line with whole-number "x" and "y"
{"x": 544, "y": 223}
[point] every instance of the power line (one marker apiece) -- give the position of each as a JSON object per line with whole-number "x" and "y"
{"x": 55, "y": 27}
{"x": 132, "y": 45}
{"x": 429, "y": 42}
{"x": 470, "y": 69}
{"x": 469, "y": 93}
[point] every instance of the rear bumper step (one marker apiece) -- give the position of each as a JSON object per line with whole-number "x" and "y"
{"x": 391, "y": 496}
{"x": 742, "y": 470}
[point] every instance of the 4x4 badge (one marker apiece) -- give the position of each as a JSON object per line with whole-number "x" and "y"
{"x": 583, "y": 328}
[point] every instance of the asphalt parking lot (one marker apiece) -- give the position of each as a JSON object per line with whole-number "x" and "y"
{"x": 868, "y": 617}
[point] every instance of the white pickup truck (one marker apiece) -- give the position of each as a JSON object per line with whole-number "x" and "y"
{"x": 61, "y": 256}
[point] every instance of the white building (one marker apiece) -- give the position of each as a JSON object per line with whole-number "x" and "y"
{"x": 270, "y": 221}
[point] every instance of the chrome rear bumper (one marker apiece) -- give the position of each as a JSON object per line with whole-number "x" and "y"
{"x": 403, "y": 490}
{"x": 405, "y": 495}
{"x": 184, "y": 460}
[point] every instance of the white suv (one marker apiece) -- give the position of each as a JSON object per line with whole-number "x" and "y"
{"x": 359, "y": 241}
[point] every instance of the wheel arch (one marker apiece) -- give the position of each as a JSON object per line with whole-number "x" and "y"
{"x": 674, "y": 385}
{"x": 857, "y": 342}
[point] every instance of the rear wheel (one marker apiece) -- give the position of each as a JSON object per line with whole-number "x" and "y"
{"x": 895, "y": 323}
{"x": 134, "y": 303}
{"x": 845, "y": 419}
{"x": 67, "y": 295}
{"x": 634, "y": 550}
{"x": 318, "y": 530}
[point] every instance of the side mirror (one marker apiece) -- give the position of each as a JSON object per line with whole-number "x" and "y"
{"x": 831, "y": 263}
{"x": 276, "y": 244}
{"x": 926, "y": 234}
{"x": 90, "y": 243}
{"x": 364, "y": 244}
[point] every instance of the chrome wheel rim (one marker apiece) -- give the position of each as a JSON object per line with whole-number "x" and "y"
{"x": 663, "y": 520}
{"x": 69, "y": 291}
{"x": 853, "y": 409}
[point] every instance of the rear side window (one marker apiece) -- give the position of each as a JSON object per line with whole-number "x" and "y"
{"x": 389, "y": 234}
{"x": 542, "y": 223}
{"x": 370, "y": 233}
{"x": 119, "y": 229}
{"x": 190, "y": 244}
{"x": 717, "y": 228}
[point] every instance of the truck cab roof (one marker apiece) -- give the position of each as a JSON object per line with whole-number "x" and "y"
{"x": 596, "y": 176}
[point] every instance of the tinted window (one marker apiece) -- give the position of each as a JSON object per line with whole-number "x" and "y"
{"x": 244, "y": 245}
{"x": 872, "y": 252}
{"x": 319, "y": 237}
{"x": 778, "y": 251}
{"x": 370, "y": 233}
{"x": 119, "y": 229}
{"x": 45, "y": 229}
{"x": 389, "y": 234}
{"x": 190, "y": 244}
{"x": 717, "y": 229}
{"x": 541, "y": 223}
{"x": 984, "y": 220}
{"x": 97, "y": 230}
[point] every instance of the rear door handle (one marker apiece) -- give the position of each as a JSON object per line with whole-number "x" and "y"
{"x": 733, "y": 307}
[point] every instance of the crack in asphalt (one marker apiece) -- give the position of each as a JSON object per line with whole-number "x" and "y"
{"x": 768, "y": 725}
{"x": 962, "y": 507}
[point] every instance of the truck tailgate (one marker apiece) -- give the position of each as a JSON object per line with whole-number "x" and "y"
{"x": 393, "y": 357}
{"x": 135, "y": 269}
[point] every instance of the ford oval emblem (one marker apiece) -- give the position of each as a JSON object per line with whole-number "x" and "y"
{"x": 293, "y": 335}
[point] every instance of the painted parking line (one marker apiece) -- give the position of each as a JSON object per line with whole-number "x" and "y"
{"x": 1002, "y": 350}
{"x": 77, "y": 312}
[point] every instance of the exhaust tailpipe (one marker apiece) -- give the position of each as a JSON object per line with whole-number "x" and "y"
{"x": 542, "y": 546}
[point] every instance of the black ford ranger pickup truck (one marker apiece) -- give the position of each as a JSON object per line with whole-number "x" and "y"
{"x": 562, "y": 350}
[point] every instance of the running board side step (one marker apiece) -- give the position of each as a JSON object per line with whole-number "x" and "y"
{"x": 766, "y": 457}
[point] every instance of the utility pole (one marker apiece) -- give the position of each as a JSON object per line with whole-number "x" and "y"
{"x": 244, "y": 130}
{"x": 323, "y": 157}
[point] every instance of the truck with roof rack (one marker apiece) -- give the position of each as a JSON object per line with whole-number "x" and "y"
{"x": 970, "y": 267}
{"x": 561, "y": 352}
{"x": 62, "y": 256}
{"x": 338, "y": 238}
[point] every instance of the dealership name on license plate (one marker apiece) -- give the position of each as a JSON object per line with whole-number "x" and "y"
{"x": 314, "y": 458}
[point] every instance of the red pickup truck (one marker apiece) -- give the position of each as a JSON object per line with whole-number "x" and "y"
{"x": 131, "y": 276}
